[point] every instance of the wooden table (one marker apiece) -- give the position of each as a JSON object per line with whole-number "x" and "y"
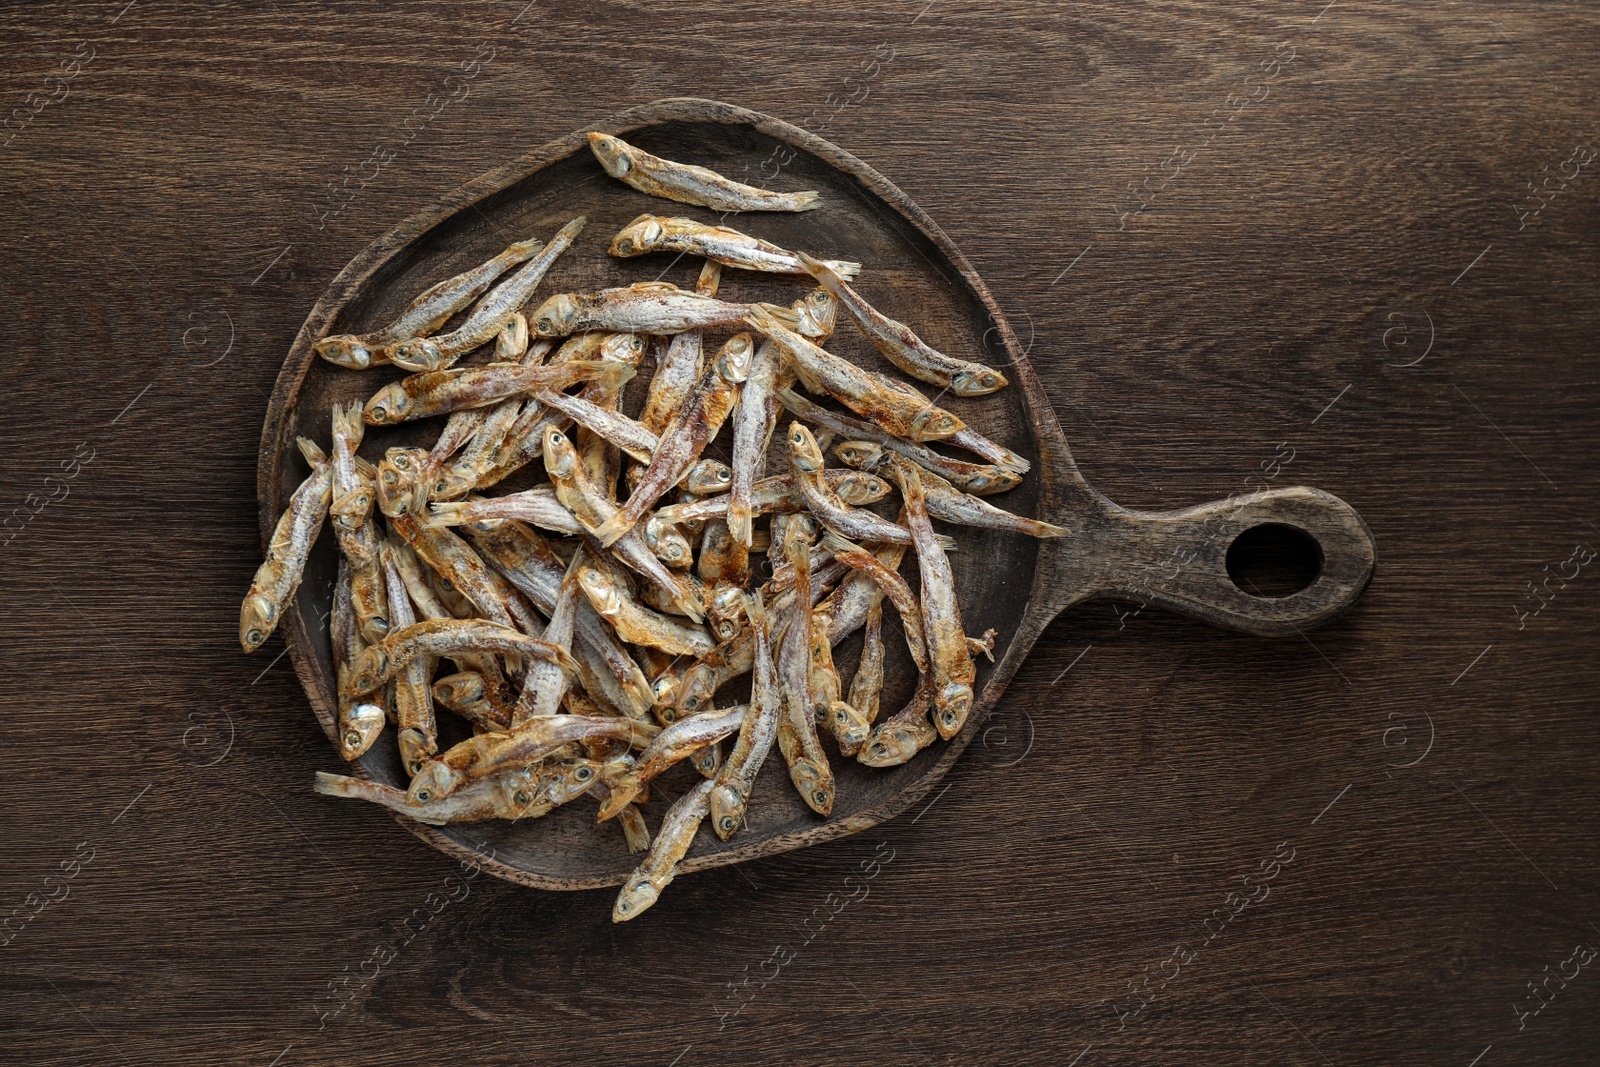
{"x": 1331, "y": 244}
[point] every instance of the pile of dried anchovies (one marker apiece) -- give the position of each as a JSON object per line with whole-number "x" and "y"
{"x": 587, "y": 653}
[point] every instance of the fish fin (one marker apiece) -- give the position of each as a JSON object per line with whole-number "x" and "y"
{"x": 740, "y": 528}
{"x": 1047, "y": 529}
{"x": 844, "y": 268}
{"x": 447, "y": 513}
{"x": 333, "y": 785}
{"x": 612, "y": 530}
{"x": 785, "y": 317}
{"x": 806, "y": 201}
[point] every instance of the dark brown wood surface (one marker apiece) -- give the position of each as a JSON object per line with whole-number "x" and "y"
{"x": 1365, "y": 261}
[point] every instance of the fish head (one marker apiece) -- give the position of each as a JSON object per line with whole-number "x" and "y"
{"x": 345, "y": 350}
{"x": 951, "y": 706}
{"x": 601, "y": 590}
{"x": 359, "y": 729}
{"x": 804, "y": 452}
{"x": 459, "y": 690}
{"x": 709, "y": 476}
{"x": 977, "y": 382}
{"x": 573, "y": 780}
{"x": 415, "y": 749}
{"x": 387, "y": 406}
{"x": 367, "y": 670}
{"x": 694, "y": 691}
{"x": 398, "y": 489}
{"x": 625, "y": 348}
{"x": 519, "y": 791}
{"x": 560, "y": 458}
{"x": 733, "y": 359}
{"x": 374, "y": 629}
{"x": 859, "y": 488}
{"x": 892, "y": 744}
{"x": 727, "y": 810}
{"x": 815, "y": 785}
{"x": 862, "y": 455}
{"x": 352, "y": 509}
{"x": 727, "y": 610}
{"x": 636, "y": 897}
{"x": 668, "y": 543}
{"x": 848, "y": 724}
{"x": 612, "y": 154}
{"x": 818, "y": 313}
{"x": 434, "y": 781}
{"x": 707, "y": 760}
{"x": 665, "y": 688}
{"x": 638, "y": 237}
{"x": 455, "y": 483}
{"x": 555, "y": 316}
{"x": 257, "y": 617}
{"x": 932, "y": 424}
{"x": 419, "y": 354}
{"x": 992, "y": 480}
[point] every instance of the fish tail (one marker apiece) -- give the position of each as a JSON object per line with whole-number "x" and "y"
{"x": 445, "y": 514}
{"x": 769, "y": 313}
{"x": 1047, "y": 529}
{"x": 611, "y": 531}
{"x": 335, "y": 785}
{"x": 626, "y": 788}
{"x": 739, "y": 525}
{"x": 844, "y": 268}
{"x": 805, "y": 201}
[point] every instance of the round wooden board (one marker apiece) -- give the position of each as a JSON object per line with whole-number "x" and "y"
{"x": 911, "y": 271}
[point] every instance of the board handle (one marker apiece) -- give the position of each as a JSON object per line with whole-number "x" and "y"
{"x": 1178, "y": 559}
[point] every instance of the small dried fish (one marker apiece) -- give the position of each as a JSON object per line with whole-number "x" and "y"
{"x": 708, "y": 476}
{"x": 358, "y": 722}
{"x": 511, "y": 796}
{"x": 953, "y": 670}
{"x": 444, "y": 637}
{"x": 351, "y": 510}
{"x": 636, "y": 623}
{"x": 806, "y": 460}
{"x": 900, "y": 410}
{"x": 487, "y": 755}
{"x": 689, "y": 184}
{"x": 537, "y": 505}
{"x": 657, "y": 233}
{"x": 797, "y": 729}
{"x": 546, "y": 683}
{"x": 430, "y": 310}
{"x": 593, "y": 510}
{"x": 613, "y": 426}
{"x": 279, "y": 574}
{"x": 680, "y": 367}
{"x": 418, "y": 736}
{"x": 944, "y": 500}
{"x": 779, "y": 495}
{"x": 671, "y": 844}
{"x": 752, "y": 431}
{"x": 977, "y": 478}
{"x": 681, "y": 740}
{"x": 437, "y": 392}
{"x": 491, "y": 314}
{"x": 886, "y": 576}
{"x": 866, "y": 687}
{"x": 644, "y": 307}
{"x": 759, "y": 729}
{"x": 993, "y": 451}
{"x": 686, "y": 436}
{"x": 898, "y": 343}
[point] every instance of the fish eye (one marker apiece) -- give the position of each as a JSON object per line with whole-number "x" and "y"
{"x": 379, "y": 411}
{"x": 424, "y": 795}
{"x": 820, "y": 796}
{"x": 584, "y": 774}
{"x": 669, "y": 716}
{"x": 727, "y": 822}
{"x": 521, "y": 797}
{"x": 352, "y": 739}
{"x": 416, "y": 768}
{"x": 840, "y": 716}
{"x": 625, "y": 246}
{"x": 255, "y": 636}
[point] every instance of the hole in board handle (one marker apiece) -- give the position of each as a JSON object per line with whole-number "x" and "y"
{"x": 1273, "y": 560}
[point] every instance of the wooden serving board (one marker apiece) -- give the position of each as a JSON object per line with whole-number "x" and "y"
{"x": 1010, "y": 583}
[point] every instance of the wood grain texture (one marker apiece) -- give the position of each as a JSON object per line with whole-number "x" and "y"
{"x": 1360, "y": 214}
